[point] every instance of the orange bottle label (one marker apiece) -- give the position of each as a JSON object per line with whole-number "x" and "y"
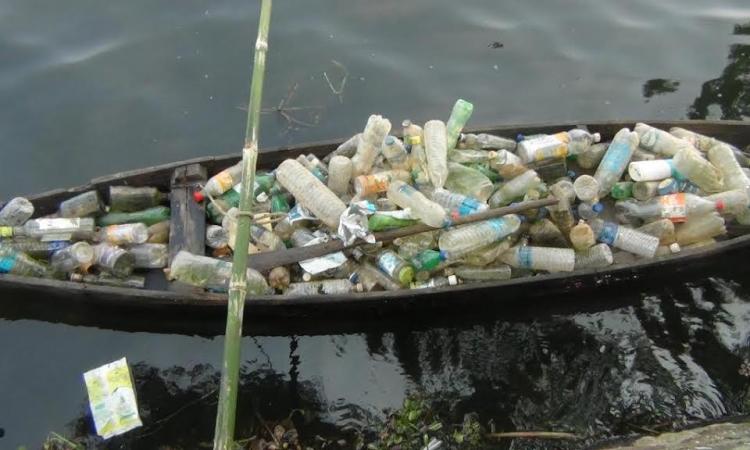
{"x": 224, "y": 180}
{"x": 673, "y": 207}
{"x": 372, "y": 184}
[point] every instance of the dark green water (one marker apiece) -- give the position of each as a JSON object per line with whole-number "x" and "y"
{"x": 90, "y": 88}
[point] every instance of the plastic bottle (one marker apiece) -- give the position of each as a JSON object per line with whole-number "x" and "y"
{"x": 515, "y": 188}
{"x": 57, "y": 229}
{"x": 588, "y": 211}
{"x": 507, "y": 164}
{"x": 316, "y": 171}
{"x": 659, "y": 141}
{"x": 220, "y": 183}
{"x": 210, "y": 273}
{"x": 147, "y": 216}
{"x": 86, "y": 204}
{"x": 79, "y": 256}
{"x": 675, "y": 207}
{"x": 348, "y": 148}
{"x": 622, "y": 190}
{"x": 366, "y": 185}
{"x": 700, "y": 172}
{"x": 427, "y": 260}
{"x": 467, "y": 181}
{"x": 131, "y": 199}
{"x": 320, "y": 287}
{"x": 556, "y": 146}
{"x": 592, "y": 156}
{"x": 216, "y": 236}
{"x": 546, "y": 233}
{"x": 34, "y": 248}
{"x": 436, "y": 152}
{"x": 459, "y": 116}
{"x": 412, "y": 133}
{"x": 732, "y": 202}
{"x": 465, "y": 239}
{"x": 625, "y": 238}
{"x": 113, "y": 260}
{"x": 370, "y": 277}
{"x": 339, "y": 174}
{"x": 104, "y": 279}
{"x": 457, "y": 204}
{"x": 310, "y": 192}
{"x": 645, "y": 190}
{"x": 380, "y": 222}
{"x": 150, "y": 256}
{"x": 265, "y": 240}
{"x": 408, "y": 246}
{"x": 370, "y": 145}
{"x": 485, "y": 142}
{"x": 699, "y": 141}
{"x": 700, "y": 228}
{"x": 421, "y": 207}
{"x": 722, "y": 157}
{"x": 488, "y": 254}
{"x": 582, "y": 236}
{"x": 19, "y": 263}
{"x": 395, "y": 267}
{"x": 596, "y": 257}
{"x": 540, "y": 258}
{"x": 395, "y": 153}
{"x": 125, "y": 234}
{"x": 615, "y": 160}
{"x": 662, "y": 229}
{"x": 642, "y": 155}
{"x": 654, "y": 170}
{"x": 436, "y": 282}
{"x": 586, "y": 188}
{"x": 16, "y": 212}
{"x": 158, "y": 233}
{"x": 501, "y": 272}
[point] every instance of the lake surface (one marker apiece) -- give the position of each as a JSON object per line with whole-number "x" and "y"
{"x": 91, "y": 88}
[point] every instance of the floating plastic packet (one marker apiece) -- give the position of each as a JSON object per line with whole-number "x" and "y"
{"x": 112, "y": 399}
{"x": 353, "y": 222}
{"x": 323, "y": 263}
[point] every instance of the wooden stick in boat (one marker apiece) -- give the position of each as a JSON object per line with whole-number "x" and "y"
{"x": 268, "y": 260}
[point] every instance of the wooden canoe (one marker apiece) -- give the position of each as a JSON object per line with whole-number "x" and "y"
{"x": 64, "y": 301}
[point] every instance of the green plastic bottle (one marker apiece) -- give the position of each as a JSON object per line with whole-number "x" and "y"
{"x": 149, "y": 216}
{"x": 395, "y": 267}
{"x": 459, "y": 116}
{"x": 380, "y": 222}
{"x": 486, "y": 171}
{"x": 279, "y": 204}
{"x": 427, "y": 260}
{"x": 228, "y": 200}
{"x": 622, "y": 190}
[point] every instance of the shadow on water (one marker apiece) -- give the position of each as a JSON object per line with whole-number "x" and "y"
{"x": 728, "y": 96}
{"x": 659, "y": 86}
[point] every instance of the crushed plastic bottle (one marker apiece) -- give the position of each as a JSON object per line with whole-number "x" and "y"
{"x": 16, "y": 212}
{"x": 436, "y": 152}
{"x": 459, "y": 116}
{"x": 515, "y": 188}
{"x": 371, "y": 278}
{"x": 150, "y": 256}
{"x": 663, "y": 229}
{"x": 592, "y": 156}
{"x": 114, "y": 260}
{"x": 82, "y": 205}
{"x": 501, "y": 272}
{"x": 541, "y": 258}
{"x": 35, "y": 248}
{"x": 56, "y": 229}
{"x": 217, "y": 237}
{"x": 367, "y": 185}
{"x": 467, "y": 238}
{"x": 659, "y": 141}
{"x": 18, "y": 263}
{"x": 625, "y": 238}
{"x": 310, "y": 192}
{"x": 395, "y": 153}
{"x": 158, "y": 233}
{"x": 675, "y": 207}
{"x": 125, "y": 234}
{"x": 722, "y": 157}
{"x": 615, "y": 160}
{"x": 582, "y": 236}
{"x": 700, "y": 228}
{"x": 210, "y": 273}
{"x": 457, "y": 205}
{"x": 104, "y": 279}
{"x": 556, "y": 146}
{"x": 405, "y": 196}
{"x": 339, "y": 174}
{"x": 595, "y": 257}
{"x": 467, "y": 181}
{"x": 689, "y": 162}
{"x": 79, "y": 256}
{"x": 370, "y": 145}
{"x": 132, "y": 199}
{"x": 485, "y": 142}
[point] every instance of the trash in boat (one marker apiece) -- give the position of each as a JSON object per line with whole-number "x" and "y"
{"x": 112, "y": 399}
{"x": 646, "y": 193}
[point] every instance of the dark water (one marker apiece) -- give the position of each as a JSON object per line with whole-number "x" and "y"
{"x": 89, "y": 88}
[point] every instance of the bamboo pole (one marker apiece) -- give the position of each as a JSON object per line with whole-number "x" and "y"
{"x": 226, "y": 412}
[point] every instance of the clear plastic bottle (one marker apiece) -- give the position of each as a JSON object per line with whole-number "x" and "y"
{"x": 339, "y": 174}
{"x": 34, "y": 248}
{"x": 366, "y": 185}
{"x": 588, "y": 211}
{"x": 488, "y": 254}
{"x": 486, "y": 142}
{"x": 370, "y": 145}
{"x": 310, "y": 192}
{"x": 662, "y": 229}
{"x": 676, "y": 207}
{"x": 158, "y": 233}
{"x": 150, "y": 256}
{"x": 615, "y": 160}
{"x": 546, "y": 233}
{"x": 412, "y": 133}
{"x": 409, "y": 246}
{"x": 148, "y": 216}
{"x": 265, "y": 240}
{"x": 104, "y": 279}
{"x": 592, "y": 156}
{"x": 113, "y": 260}
{"x": 319, "y": 174}
{"x": 395, "y": 267}
{"x": 436, "y": 152}
{"x": 370, "y": 278}
{"x": 507, "y": 164}
{"x": 125, "y": 234}
{"x": 19, "y": 263}
{"x": 421, "y": 207}
{"x": 470, "y": 156}
{"x": 698, "y": 170}
{"x": 220, "y": 183}
{"x": 654, "y": 170}
{"x": 216, "y": 236}
{"x": 515, "y": 188}
{"x": 467, "y": 181}
{"x": 131, "y": 199}
{"x": 53, "y": 229}
{"x": 279, "y": 278}
{"x": 659, "y": 141}
{"x": 459, "y": 116}
{"x": 457, "y": 204}
{"x": 722, "y": 156}
{"x": 348, "y": 148}
{"x": 586, "y": 188}
{"x": 82, "y": 205}
{"x": 556, "y": 146}
{"x": 16, "y": 212}
{"x": 540, "y": 258}
{"x": 320, "y": 287}
{"x": 436, "y": 282}
{"x": 79, "y": 256}
{"x": 624, "y": 238}
{"x": 596, "y": 257}
{"x": 645, "y": 190}
{"x": 700, "y": 228}
{"x": 699, "y": 141}
{"x": 395, "y": 153}
{"x": 732, "y": 202}
{"x": 582, "y": 236}
{"x": 465, "y": 239}
{"x": 210, "y": 273}
{"x": 501, "y": 272}
{"x": 301, "y": 237}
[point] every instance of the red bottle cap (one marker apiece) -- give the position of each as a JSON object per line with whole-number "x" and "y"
{"x": 198, "y": 196}
{"x": 720, "y": 205}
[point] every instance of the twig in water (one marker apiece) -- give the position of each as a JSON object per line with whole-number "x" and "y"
{"x": 533, "y": 435}
{"x": 286, "y": 112}
{"x": 340, "y": 91}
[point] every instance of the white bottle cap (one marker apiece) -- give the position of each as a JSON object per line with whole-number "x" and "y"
{"x": 674, "y": 247}
{"x": 654, "y": 170}
{"x": 452, "y": 280}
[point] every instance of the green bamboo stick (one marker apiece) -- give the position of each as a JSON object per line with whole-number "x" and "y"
{"x": 225, "y": 415}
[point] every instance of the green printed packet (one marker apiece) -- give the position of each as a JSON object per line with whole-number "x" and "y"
{"x": 112, "y": 399}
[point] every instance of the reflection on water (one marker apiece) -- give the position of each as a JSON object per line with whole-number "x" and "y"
{"x": 659, "y": 86}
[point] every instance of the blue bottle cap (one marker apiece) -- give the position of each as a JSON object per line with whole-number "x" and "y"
{"x": 389, "y": 140}
{"x": 443, "y": 255}
{"x": 354, "y": 278}
{"x": 571, "y": 174}
{"x": 520, "y": 137}
{"x": 597, "y": 207}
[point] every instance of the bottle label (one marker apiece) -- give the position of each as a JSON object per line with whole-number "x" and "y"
{"x": 58, "y": 224}
{"x": 389, "y": 262}
{"x": 608, "y": 233}
{"x": 524, "y": 257}
{"x": 117, "y": 234}
{"x": 108, "y": 256}
{"x": 545, "y": 147}
{"x": 616, "y": 158}
{"x": 414, "y": 140}
{"x": 6, "y": 232}
{"x": 7, "y": 263}
{"x": 224, "y": 180}
{"x": 673, "y": 207}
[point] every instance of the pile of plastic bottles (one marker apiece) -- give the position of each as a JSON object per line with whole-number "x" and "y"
{"x": 647, "y": 193}
{"x": 86, "y": 240}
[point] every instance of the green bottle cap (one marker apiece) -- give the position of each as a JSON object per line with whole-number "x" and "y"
{"x": 406, "y": 275}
